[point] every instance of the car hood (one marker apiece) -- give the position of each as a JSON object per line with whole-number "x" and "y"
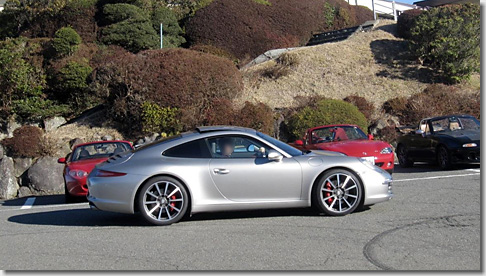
{"x": 357, "y": 148}
{"x": 86, "y": 165}
{"x": 326, "y": 153}
{"x": 463, "y": 136}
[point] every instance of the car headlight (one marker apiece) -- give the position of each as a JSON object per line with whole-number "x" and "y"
{"x": 78, "y": 173}
{"x": 386, "y": 150}
{"x": 469, "y": 145}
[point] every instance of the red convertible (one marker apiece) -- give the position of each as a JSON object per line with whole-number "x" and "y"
{"x": 349, "y": 140}
{"x": 80, "y": 162}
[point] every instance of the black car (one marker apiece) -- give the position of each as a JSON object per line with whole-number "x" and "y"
{"x": 446, "y": 140}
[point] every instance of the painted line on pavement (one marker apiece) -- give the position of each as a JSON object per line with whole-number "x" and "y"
{"x": 435, "y": 177}
{"x": 474, "y": 170}
{"x": 28, "y": 203}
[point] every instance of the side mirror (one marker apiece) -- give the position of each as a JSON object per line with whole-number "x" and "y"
{"x": 370, "y": 137}
{"x": 275, "y": 156}
{"x": 61, "y": 160}
{"x": 299, "y": 143}
{"x": 419, "y": 132}
{"x": 251, "y": 148}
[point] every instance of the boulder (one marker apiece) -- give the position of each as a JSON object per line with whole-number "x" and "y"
{"x": 2, "y": 152}
{"x": 154, "y": 136}
{"x": 8, "y": 182}
{"x": 45, "y": 176}
{"x": 75, "y": 141}
{"x": 53, "y": 123}
{"x": 25, "y": 192}
{"x": 12, "y": 125}
{"x": 21, "y": 165}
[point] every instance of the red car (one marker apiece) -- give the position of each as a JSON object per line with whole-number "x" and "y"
{"x": 80, "y": 162}
{"x": 350, "y": 140}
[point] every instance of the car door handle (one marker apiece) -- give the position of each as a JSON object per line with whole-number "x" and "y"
{"x": 221, "y": 171}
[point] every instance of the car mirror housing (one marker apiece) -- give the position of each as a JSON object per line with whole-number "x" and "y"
{"x": 371, "y": 137}
{"x": 61, "y": 160}
{"x": 299, "y": 143}
{"x": 274, "y": 155}
{"x": 419, "y": 132}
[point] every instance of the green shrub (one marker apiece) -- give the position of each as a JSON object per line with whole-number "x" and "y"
{"x": 26, "y": 142}
{"x": 160, "y": 119}
{"x": 447, "y": 38}
{"x": 329, "y": 14}
{"x": 263, "y": 2}
{"x": 130, "y": 28}
{"x": 72, "y": 84}
{"x": 325, "y": 112}
{"x": 171, "y": 30}
{"x": 66, "y": 41}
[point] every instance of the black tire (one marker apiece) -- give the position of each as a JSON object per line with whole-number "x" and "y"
{"x": 403, "y": 158}
{"x": 337, "y": 195}
{"x": 444, "y": 158}
{"x": 68, "y": 198}
{"x": 163, "y": 200}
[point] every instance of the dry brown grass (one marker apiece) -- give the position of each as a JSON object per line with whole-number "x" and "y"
{"x": 373, "y": 65}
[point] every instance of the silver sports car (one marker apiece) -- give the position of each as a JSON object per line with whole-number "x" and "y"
{"x": 224, "y": 168}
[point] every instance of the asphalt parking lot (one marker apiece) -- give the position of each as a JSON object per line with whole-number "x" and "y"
{"x": 432, "y": 223}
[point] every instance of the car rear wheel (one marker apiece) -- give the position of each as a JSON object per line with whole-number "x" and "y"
{"x": 338, "y": 193}
{"x": 444, "y": 158}
{"x": 163, "y": 201}
{"x": 403, "y": 158}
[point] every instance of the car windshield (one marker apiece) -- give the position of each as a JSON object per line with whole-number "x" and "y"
{"x": 337, "y": 133}
{"x": 454, "y": 123}
{"x": 281, "y": 145}
{"x": 99, "y": 150}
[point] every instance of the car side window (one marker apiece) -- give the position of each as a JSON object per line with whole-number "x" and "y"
{"x": 193, "y": 149}
{"x": 236, "y": 147}
{"x": 424, "y": 126}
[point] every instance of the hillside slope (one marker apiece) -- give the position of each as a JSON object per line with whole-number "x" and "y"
{"x": 373, "y": 65}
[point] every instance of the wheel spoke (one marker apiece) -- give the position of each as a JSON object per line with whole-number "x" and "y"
{"x": 174, "y": 200}
{"x": 346, "y": 181}
{"x": 174, "y": 191}
{"x": 160, "y": 214}
{"x": 332, "y": 204}
{"x": 152, "y": 194}
{"x": 328, "y": 197}
{"x": 352, "y": 187}
{"x": 338, "y": 182}
{"x": 150, "y": 202}
{"x": 175, "y": 208}
{"x": 168, "y": 214}
{"x": 166, "y": 186}
{"x": 326, "y": 190}
{"x": 330, "y": 182}
{"x": 349, "y": 205}
{"x": 353, "y": 196}
{"x": 158, "y": 190}
{"x": 153, "y": 209}
{"x": 340, "y": 205}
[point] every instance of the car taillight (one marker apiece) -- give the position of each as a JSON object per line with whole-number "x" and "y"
{"x": 102, "y": 173}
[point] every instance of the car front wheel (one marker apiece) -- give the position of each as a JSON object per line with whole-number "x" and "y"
{"x": 444, "y": 158}
{"x": 163, "y": 201}
{"x": 338, "y": 193}
{"x": 403, "y": 159}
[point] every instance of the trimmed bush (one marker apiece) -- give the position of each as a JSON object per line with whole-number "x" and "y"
{"x": 247, "y": 29}
{"x": 160, "y": 119}
{"x": 72, "y": 85}
{"x": 406, "y": 21}
{"x": 325, "y": 112}
{"x": 26, "y": 142}
{"x": 130, "y": 28}
{"x": 221, "y": 112}
{"x": 435, "y": 100}
{"x": 208, "y": 49}
{"x": 66, "y": 41}
{"x": 171, "y": 30}
{"x": 447, "y": 38}
{"x": 362, "y": 104}
{"x": 257, "y": 116}
{"x": 180, "y": 78}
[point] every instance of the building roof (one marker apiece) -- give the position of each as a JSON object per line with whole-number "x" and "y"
{"x": 436, "y": 3}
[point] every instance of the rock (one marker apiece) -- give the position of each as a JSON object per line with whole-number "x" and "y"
{"x": 139, "y": 142}
{"x": 45, "y": 176}
{"x": 377, "y": 126}
{"x": 154, "y": 136}
{"x": 53, "y": 123}
{"x": 12, "y": 125}
{"x": 21, "y": 165}
{"x": 107, "y": 138}
{"x": 1, "y": 152}
{"x": 75, "y": 141}
{"x": 25, "y": 192}
{"x": 8, "y": 183}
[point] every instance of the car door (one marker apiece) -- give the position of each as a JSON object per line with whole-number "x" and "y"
{"x": 420, "y": 144}
{"x": 248, "y": 175}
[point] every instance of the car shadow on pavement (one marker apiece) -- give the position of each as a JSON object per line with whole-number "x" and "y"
{"x": 90, "y": 218}
{"x": 39, "y": 200}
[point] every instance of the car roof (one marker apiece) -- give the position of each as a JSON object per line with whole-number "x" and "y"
{"x": 447, "y": 116}
{"x": 101, "y": 142}
{"x": 205, "y": 129}
{"x": 336, "y": 125}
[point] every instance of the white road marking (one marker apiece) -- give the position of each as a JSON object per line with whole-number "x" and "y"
{"x": 474, "y": 170}
{"x": 435, "y": 177}
{"x": 28, "y": 203}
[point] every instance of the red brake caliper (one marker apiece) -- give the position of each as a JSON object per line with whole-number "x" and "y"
{"x": 328, "y": 194}
{"x": 172, "y": 204}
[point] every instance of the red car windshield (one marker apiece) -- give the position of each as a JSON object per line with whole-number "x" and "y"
{"x": 339, "y": 133}
{"x": 99, "y": 150}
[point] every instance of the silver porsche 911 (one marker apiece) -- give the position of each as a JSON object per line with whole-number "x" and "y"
{"x": 232, "y": 168}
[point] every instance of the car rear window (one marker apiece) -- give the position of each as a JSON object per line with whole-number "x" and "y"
{"x": 193, "y": 149}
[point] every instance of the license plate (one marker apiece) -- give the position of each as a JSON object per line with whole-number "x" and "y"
{"x": 370, "y": 159}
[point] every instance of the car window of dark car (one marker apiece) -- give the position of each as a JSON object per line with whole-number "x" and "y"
{"x": 468, "y": 123}
{"x": 193, "y": 149}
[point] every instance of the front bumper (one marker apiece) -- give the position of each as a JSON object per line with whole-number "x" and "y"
{"x": 466, "y": 155}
